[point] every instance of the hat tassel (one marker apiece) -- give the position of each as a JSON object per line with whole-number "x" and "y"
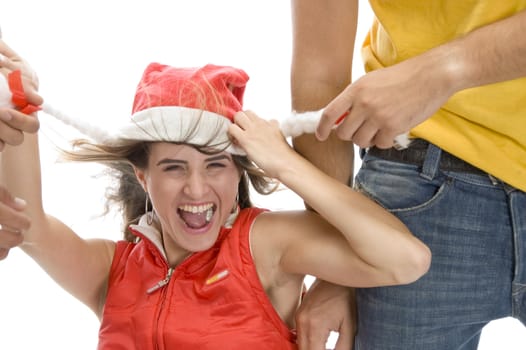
{"x": 94, "y": 132}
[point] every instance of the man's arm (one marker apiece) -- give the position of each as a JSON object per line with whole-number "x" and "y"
{"x": 490, "y": 54}
{"x": 13, "y": 220}
{"x": 323, "y": 44}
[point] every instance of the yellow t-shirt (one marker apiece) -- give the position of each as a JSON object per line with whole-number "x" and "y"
{"x": 485, "y": 126}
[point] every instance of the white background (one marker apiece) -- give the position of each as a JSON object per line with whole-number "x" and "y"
{"x": 89, "y": 56}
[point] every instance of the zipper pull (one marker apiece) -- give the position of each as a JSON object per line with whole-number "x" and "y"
{"x": 161, "y": 283}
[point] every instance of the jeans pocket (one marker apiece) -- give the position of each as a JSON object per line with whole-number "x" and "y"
{"x": 398, "y": 187}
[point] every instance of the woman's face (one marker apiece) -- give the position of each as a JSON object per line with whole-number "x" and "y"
{"x": 192, "y": 193}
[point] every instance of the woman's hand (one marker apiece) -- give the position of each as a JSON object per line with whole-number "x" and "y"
{"x": 262, "y": 140}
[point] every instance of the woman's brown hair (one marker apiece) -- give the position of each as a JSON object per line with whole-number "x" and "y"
{"x": 125, "y": 190}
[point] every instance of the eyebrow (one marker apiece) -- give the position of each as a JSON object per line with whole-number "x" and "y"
{"x": 219, "y": 157}
{"x": 170, "y": 161}
{"x": 178, "y": 161}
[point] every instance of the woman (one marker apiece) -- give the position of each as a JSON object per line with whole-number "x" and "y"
{"x": 200, "y": 267}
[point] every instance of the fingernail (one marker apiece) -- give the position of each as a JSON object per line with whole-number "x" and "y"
{"x": 5, "y": 116}
{"x": 20, "y": 202}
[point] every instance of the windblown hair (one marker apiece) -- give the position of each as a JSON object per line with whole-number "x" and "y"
{"x": 125, "y": 190}
{"x": 122, "y": 157}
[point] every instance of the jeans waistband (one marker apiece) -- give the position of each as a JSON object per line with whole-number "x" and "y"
{"x": 416, "y": 154}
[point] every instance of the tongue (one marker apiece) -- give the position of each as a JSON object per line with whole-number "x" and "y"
{"x": 194, "y": 220}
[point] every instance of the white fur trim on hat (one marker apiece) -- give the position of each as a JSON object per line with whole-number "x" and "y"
{"x": 168, "y": 124}
{"x": 179, "y": 124}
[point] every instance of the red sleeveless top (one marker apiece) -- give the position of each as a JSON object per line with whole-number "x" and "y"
{"x": 212, "y": 300}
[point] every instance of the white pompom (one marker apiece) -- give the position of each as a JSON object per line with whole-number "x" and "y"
{"x": 297, "y": 124}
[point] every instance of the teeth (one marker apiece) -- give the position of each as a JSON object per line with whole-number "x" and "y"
{"x": 206, "y": 209}
{"x": 209, "y": 214}
{"x": 195, "y": 209}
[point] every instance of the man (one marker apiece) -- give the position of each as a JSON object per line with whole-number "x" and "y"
{"x": 13, "y": 125}
{"x": 451, "y": 74}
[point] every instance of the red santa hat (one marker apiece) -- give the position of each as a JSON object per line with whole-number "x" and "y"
{"x": 190, "y": 105}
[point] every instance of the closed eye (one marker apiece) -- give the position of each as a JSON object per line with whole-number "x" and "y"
{"x": 174, "y": 167}
{"x": 218, "y": 162}
{"x": 216, "y": 165}
{"x": 172, "y": 164}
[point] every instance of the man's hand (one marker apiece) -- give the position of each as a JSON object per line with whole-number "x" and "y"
{"x": 387, "y": 102}
{"x": 13, "y": 123}
{"x": 326, "y": 308}
{"x": 11, "y": 61}
{"x": 13, "y": 222}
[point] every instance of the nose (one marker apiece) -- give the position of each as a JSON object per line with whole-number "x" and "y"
{"x": 196, "y": 185}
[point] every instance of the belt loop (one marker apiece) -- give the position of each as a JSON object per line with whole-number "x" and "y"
{"x": 431, "y": 163}
{"x": 362, "y": 152}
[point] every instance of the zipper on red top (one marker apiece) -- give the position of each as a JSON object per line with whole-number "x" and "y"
{"x": 162, "y": 282}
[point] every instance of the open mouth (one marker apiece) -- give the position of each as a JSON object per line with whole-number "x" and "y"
{"x": 196, "y": 216}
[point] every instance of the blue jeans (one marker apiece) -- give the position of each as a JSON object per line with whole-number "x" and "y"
{"x": 475, "y": 226}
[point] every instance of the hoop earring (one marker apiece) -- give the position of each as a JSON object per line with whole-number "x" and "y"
{"x": 233, "y": 214}
{"x": 149, "y": 214}
{"x": 235, "y": 208}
